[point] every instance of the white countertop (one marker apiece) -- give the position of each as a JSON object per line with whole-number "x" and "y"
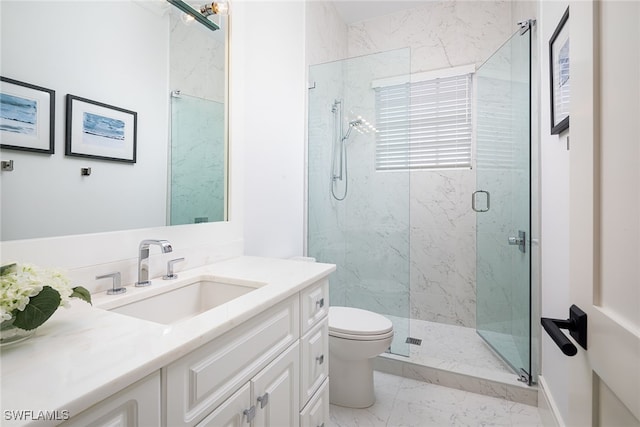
{"x": 84, "y": 354}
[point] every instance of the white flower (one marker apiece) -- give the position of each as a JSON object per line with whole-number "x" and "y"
{"x": 27, "y": 281}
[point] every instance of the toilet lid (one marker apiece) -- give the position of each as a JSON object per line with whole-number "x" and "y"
{"x": 354, "y": 321}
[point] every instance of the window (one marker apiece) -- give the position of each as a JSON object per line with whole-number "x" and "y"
{"x": 424, "y": 124}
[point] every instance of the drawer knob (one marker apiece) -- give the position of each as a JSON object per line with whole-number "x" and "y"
{"x": 320, "y": 359}
{"x": 321, "y": 425}
{"x": 250, "y": 414}
{"x": 320, "y": 303}
{"x": 264, "y": 400}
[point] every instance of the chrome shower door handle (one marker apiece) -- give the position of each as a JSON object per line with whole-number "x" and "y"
{"x": 520, "y": 241}
{"x": 473, "y": 201}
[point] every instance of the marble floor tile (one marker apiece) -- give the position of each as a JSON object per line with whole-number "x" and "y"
{"x": 406, "y": 402}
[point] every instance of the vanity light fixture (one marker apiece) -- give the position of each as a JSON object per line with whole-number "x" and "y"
{"x": 200, "y": 13}
{"x": 215, "y": 8}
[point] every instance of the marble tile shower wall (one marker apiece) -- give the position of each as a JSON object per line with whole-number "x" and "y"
{"x": 442, "y": 232}
{"x": 377, "y": 228}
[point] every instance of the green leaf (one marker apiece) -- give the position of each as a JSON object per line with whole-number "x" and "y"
{"x": 8, "y": 269}
{"x": 39, "y": 309}
{"x": 82, "y": 293}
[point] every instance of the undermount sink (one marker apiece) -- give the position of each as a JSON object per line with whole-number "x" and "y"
{"x": 184, "y": 302}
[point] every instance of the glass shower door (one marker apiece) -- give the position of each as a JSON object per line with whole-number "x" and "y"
{"x": 502, "y": 203}
{"x": 358, "y": 217}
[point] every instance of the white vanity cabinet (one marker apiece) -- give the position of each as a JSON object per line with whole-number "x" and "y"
{"x": 271, "y": 370}
{"x": 198, "y": 383}
{"x": 136, "y": 406}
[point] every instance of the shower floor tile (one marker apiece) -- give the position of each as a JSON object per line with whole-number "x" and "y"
{"x": 447, "y": 345}
{"x": 452, "y": 356}
{"x": 407, "y": 402}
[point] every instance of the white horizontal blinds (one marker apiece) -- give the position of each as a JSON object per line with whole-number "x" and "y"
{"x": 393, "y": 127}
{"x": 425, "y": 124}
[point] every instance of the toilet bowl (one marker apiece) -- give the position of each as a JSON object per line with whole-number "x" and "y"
{"x": 355, "y": 337}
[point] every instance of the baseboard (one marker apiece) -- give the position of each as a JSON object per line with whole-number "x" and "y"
{"x": 549, "y": 412}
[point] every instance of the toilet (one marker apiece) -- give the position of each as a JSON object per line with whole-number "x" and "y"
{"x": 355, "y": 337}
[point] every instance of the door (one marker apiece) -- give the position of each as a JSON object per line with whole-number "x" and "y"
{"x": 502, "y": 202}
{"x": 233, "y": 412}
{"x": 276, "y": 391}
{"x": 605, "y": 210}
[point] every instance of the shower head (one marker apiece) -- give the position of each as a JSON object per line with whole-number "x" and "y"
{"x": 352, "y": 124}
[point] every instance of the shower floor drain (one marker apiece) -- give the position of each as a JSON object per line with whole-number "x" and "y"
{"x": 414, "y": 341}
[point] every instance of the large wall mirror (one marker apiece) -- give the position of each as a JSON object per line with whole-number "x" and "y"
{"x": 136, "y": 55}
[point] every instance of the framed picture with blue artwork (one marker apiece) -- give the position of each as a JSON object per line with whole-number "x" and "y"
{"x": 100, "y": 131}
{"x": 559, "y": 75}
{"x": 27, "y": 116}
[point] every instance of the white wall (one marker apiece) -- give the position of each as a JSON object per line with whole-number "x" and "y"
{"x": 326, "y": 33}
{"x": 554, "y": 238}
{"x": 272, "y": 74}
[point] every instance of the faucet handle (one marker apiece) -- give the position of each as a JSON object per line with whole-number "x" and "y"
{"x": 117, "y": 288}
{"x": 170, "y": 274}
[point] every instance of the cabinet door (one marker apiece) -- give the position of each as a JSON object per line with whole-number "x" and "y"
{"x": 276, "y": 391}
{"x": 232, "y": 412}
{"x": 136, "y": 406}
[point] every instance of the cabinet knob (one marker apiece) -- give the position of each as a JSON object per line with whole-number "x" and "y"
{"x": 264, "y": 400}
{"x": 320, "y": 359}
{"x": 320, "y": 303}
{"x": 250, "y": 414}
{"x": 321, "y": 425}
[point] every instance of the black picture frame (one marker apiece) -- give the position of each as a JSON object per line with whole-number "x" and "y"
{"x": 27, "y": 117}
{"x": 559, "y": 81}
{"x": 100, "y": 131}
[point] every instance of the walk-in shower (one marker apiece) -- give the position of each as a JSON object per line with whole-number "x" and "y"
{"x": 402, "y": 232}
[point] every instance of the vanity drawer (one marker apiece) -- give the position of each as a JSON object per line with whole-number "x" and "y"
{"x": 314, "y": 360}
{"x": 316, "y": 413}
{"x": 200, "y": 381}
{"x": 314, "y": 304}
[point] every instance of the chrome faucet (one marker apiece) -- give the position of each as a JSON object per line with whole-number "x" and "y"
{"x": 143, "y": 259}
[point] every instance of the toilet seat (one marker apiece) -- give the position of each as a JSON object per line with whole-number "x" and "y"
{"x": 360, "y": 337}
{"x": 356, "y": 324}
